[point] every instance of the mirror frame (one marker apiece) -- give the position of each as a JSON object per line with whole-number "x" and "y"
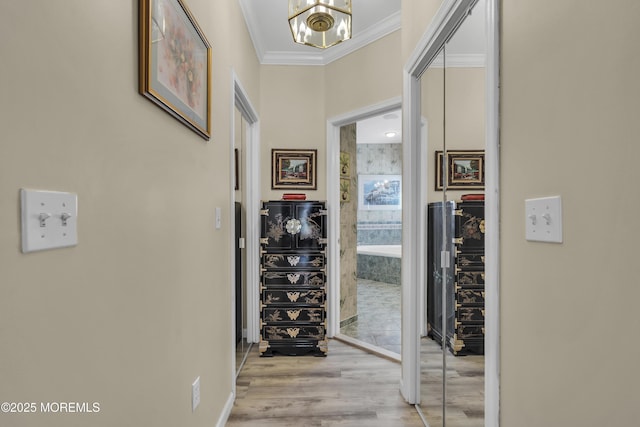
{"x": 444, "y": 24}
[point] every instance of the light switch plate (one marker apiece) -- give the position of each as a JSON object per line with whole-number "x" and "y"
{"x": 543, "y": 219}
{"x": 49, "y": 219}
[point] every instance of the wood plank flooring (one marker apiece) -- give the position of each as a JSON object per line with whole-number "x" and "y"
{"x": 465, "y": 387}
{"x": 348, "y": 388}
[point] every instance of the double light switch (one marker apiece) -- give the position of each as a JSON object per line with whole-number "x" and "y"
{"x": 49, "y": 219}
{"x": 544, "y": 219}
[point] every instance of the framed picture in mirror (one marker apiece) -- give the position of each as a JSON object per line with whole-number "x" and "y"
{"x": 462, "y": 170}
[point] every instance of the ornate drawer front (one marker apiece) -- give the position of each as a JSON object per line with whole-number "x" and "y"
{"x": 284, "y": 297}
{"x": 469, "y": 220}
{"x": 468, "y": 297}
{"x": 294, "y": 314}
{"x": 470, "y": 278}
{"x": 469, "y": 314}
{"x": 298, "y": 278}
{"x": 293, "y": 261}
{"x": 288, "y": 333}
{"x": 472, "y": 261}
{"x": 465, "y": 332}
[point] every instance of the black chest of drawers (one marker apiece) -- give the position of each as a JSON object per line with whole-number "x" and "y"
{"x": 464, "y": 280}
{"x": 293, "y": 278}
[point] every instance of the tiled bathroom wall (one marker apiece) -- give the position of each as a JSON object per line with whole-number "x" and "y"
{"x": 379, "y": 227}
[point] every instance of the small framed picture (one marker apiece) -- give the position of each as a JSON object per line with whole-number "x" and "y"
{"x": 293, "y": 169}
{"x": 345, "y": 164}
{"x": 464, "y": 170}
{"x": 345, "y": 190}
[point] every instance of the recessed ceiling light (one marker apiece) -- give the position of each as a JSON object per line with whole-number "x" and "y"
{"x": 390, "y": 134}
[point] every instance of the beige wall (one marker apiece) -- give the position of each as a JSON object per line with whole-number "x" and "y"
{"x": 464, "y": 100}
{"x": 141, "y": 307}
{"x": 569, "y": 98}
{"x": 298, "y": 100}
{"x": 292, "y": 116}
{"x": 416, "y": 15}
{"x": 366, "y": 77}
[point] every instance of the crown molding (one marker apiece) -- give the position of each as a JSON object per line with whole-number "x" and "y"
{"x": 383, "y": 28}
{"x": 251, "y": 20}
{"x": 322, "y": 57}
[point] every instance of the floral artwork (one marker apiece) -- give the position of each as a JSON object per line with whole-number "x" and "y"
{"x": 175, "y": 63}
{"x": 182, "y": 64}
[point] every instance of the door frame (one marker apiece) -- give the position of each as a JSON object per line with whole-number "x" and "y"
{"x": 333, "y": 201}
{"x": 251, "y": 200}
{"x": 440, "y": 29}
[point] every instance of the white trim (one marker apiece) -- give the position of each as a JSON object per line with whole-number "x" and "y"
{"x": 443, "y": 24}
{"x": 492, "y": 220}
{"x": 333, "y": 201}
{"x": 411, "y": 246}
{"x": 226, "y": 411}
{"x": 251, "y": 191}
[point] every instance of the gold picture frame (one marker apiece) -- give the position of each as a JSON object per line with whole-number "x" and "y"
{"x": 293, "y": 169}
{"x": 465, "y": 170}
{"x": 175, "y": 63}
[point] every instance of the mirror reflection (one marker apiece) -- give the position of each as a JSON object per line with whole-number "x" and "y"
{"x": 452, "y": 347}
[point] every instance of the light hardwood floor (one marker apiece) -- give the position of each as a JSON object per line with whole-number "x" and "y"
{"x": 465, "y": 387}
{"x": 348, "y": 388}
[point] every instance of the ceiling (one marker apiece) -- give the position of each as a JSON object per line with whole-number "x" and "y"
{"x": 268, "y": 25}
{"x": 372, "y": 19}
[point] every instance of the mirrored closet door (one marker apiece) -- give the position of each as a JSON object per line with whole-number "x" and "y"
{"x": 453, "y": 110}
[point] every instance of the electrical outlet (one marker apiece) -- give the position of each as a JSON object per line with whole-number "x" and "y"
{"x": 195, "y": 394}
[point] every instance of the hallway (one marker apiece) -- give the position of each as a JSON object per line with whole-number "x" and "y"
{"x": 348, "y": 388}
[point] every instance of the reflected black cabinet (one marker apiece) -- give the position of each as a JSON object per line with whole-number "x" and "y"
{"x": 293, "y": 240}
{"x": 463, "y": 279}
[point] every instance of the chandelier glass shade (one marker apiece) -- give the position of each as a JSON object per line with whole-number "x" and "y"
{"x": 320, "y": 23}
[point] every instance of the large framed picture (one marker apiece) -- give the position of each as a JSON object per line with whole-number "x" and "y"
{"x": 379, "y": 192}
{"x": 293, "y": 169}
{"x": 175, "y": 63}
{"x": 464, "y": 169}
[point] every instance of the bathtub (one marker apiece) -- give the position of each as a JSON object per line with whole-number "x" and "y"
{"x": 380, "y": 263}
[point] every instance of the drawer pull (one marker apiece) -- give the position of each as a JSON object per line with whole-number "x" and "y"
{"x": 293, "y": 332}
{"x": 293, "y": 260}
{"x": 293, "y": 314}
{"x": 293, "y": 277}
{"x": 293, "y": 296}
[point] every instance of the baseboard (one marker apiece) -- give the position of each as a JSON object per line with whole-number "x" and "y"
{"x": 226, "y": 411}
{"x": 348, "y": 321}
{"x": 369, "y": 348}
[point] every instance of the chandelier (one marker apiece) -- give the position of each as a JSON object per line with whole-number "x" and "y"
{"x": 320, "y": 23}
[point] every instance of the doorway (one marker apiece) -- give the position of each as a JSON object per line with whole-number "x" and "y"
{"x": 334, "y": 195}
{"x": 371, "y": 228}
{"x": 245, "y": 197}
